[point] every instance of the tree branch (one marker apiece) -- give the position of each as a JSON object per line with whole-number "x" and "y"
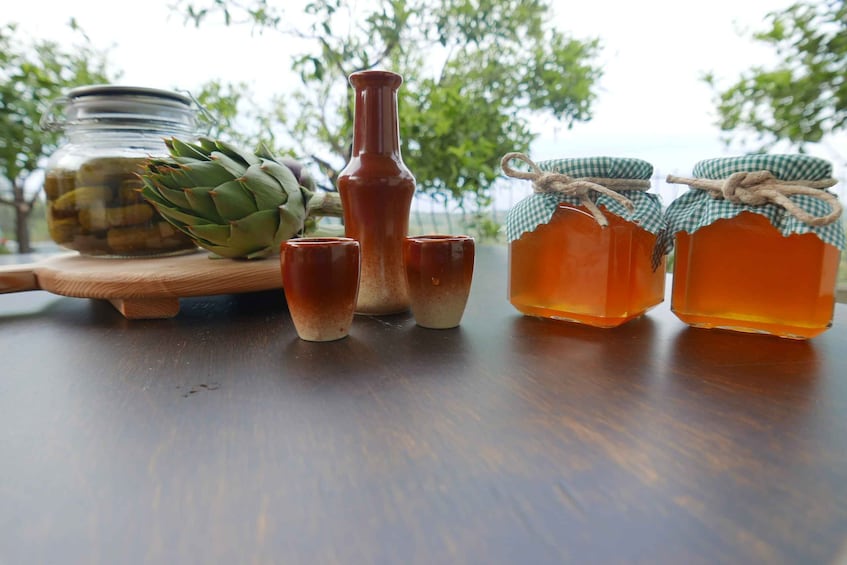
{"x": 31, "y": 201}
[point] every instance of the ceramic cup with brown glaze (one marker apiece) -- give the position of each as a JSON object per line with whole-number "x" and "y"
{"x": 439, "y": 270}
{"x": 320, "y": 278}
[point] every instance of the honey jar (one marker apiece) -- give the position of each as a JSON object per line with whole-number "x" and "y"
{"x": 758, "y": 242}
{"x": 588, "y": 245}
{"x": 94, "y": 205}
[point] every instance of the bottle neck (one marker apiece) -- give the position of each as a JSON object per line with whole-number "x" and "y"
{"x": 376, "y": 127}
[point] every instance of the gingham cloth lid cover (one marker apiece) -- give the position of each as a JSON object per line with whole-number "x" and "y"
{"x": 538, "y": 208}
{"x": 697, "y": 208}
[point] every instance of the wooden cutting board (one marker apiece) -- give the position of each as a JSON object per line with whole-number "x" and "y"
{"x": 146, "y": 287}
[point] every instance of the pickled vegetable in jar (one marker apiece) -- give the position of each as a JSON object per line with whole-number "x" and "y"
{"x": 91, "y": 183}
{"x": 588, "y": 246}
{"x": 758, "y": 243}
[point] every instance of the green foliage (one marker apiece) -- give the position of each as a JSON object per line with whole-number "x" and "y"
{"x": 221, "y": 101}
{"x": 475, "y": 71}
{"x": 804, "y": 96}
{"x": 31, "y": 76}
{"x": 230, "y": 114}
{"x": 33, "y": 73}
{"x": 483, "y": 227}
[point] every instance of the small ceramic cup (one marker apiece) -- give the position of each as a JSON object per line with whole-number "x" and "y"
{"x": 439, "y": 270}
{"x": 320, "y": 278}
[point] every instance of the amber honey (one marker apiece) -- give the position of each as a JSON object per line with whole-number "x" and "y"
{"x": 741, "y": 273}
{"x": 573, "y": 269}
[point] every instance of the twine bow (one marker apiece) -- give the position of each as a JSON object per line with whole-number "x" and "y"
{"x": 761, "y": 187}
{"x": 546, "y": 182}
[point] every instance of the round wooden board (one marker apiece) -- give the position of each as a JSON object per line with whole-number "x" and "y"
{"x": 143, "y": 287}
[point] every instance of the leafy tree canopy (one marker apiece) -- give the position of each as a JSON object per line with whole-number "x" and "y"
{"x": 474, "y": 70}
{"x": 803, "y": 97}
{"x": 32, "y": 74}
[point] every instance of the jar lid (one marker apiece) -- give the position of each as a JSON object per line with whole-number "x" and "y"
{"x": 126, "y": 91}
{"x": 118, "y": 105}
{"x": 783, "y": 167}
{"x": 538, "y": 208}
{"x": 695, "y": 209}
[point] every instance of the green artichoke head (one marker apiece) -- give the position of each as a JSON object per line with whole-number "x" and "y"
{"x": 235, "y": 203}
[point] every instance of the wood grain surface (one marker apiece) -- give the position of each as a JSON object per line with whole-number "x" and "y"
{"x": 217, "y": 436}
{"x": 143, "y": 287}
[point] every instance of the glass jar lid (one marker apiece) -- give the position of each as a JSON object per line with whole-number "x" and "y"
{"x": 120, "y": 106}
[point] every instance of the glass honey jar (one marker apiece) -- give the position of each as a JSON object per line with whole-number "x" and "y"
{"x": 758, "y": 243}
{"x": 588, "y": 245}
{"x": 92, "y": 185}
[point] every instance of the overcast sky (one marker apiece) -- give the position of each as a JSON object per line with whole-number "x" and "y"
{"x": 652, "y": 105}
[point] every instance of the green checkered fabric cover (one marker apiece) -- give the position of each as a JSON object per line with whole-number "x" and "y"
{"x": 783, "y": 167}
{"x": 537, "y": 209}
{"x": 696, "y": 208}
{"x": 602, "y": 167}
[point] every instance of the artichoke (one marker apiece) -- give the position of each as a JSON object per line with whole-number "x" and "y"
{"x": 234, "y": 203}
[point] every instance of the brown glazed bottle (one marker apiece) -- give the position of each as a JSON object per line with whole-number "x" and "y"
{"x": 376, "y": 192}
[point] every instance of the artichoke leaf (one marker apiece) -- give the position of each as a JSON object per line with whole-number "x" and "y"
{"x": 175, "y": 216}
{"x": 289, "y": 183}
{"x": 266, "y": 190}
{"x": 202, "y": 242}
{"x": 153, "y": 196}
{"x": 175, "y": 197}
{"x": 179, "y": 160}
{"x": 181, "y": 149}
{"x": 236, "y": 154}
{"x": 178, "y": 217}
{"x": 173, "y": 178}
{"x": 200, "y": 201}
{"x": 167, "y": 175}
{"x": 234, "y": 168}
{"x": 153, "y": 165}
{"x": 175, "y": 223}
{"x": 171, "y": 216}
{"x": 204, "y": 173}
{"x": 216, "y": 234}
{"x": 248, "y": 237}
{"x": 290, "y": 224}
{"x": 263, "y": 151}
{"x": 257, "y": 228}
{"x": 206, "y": 146}
{"x": 300, "y": 172}
{"x": 232, "y": 201}
{"x": 226, "y": 252}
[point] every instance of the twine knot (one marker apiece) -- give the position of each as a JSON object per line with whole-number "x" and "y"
{"x": 762, "y": 187}
{"x": 547, "y": 182}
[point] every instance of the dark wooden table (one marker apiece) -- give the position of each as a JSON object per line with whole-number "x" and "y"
{"x": 219, "y": 437}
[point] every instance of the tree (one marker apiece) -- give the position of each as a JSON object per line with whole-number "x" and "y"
{"x": 475, "y": 71}
{"x": 32, "y": 75}
{"x": 803, "y": 97}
